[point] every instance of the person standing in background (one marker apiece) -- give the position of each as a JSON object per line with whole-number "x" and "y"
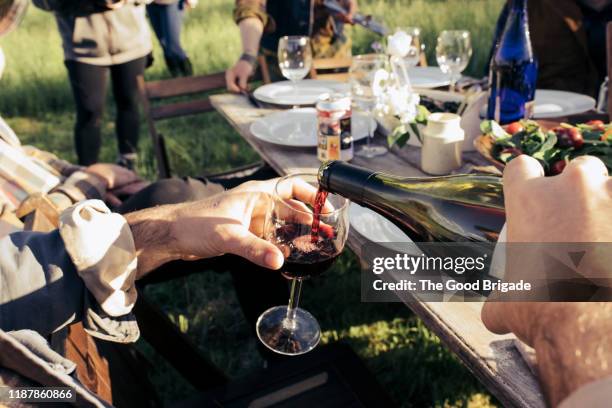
{"x": 263, "y": 22}
{"x": 166, "y": 18}
{"x": 101, "y": 37}
{"x": 569, "y": 42}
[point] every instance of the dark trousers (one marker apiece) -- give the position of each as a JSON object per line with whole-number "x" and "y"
{"x": 257, "y": 288}
{"x": 88, "y": 84}
{"x": 167, "y": 21}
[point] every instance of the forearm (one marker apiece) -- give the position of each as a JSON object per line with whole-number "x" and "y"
{"x": 576, "y": 349}
{"x": 251, "y": 30}
{"x": 153, "y": 237}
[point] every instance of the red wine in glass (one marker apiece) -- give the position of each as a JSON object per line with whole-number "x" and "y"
{"x": 320, "y": 199}
{"x": 310, "y": 242}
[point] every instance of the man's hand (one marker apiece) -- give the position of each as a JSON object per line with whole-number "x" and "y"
{"x": 237, "y": 77}
{"x": 571, "y": 207}
{"x": 230, "y": 222}
{"x": 352, "y": 8}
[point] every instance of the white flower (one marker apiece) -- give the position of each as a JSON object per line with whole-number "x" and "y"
{"x": 379, "y": 82}
{"x": 398, "y": 44}
{"x": 403, "y": 103}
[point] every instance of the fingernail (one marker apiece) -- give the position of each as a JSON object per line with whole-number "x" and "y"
{"x": 274, "y": 260}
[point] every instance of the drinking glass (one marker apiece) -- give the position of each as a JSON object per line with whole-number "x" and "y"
{"x": 294, "y": 61}
{"x": 294, "y": 58}
{"x": 414, "y": 51}
{"x": 453, "y": 52}
{"x": 309, "y": 249}
{"x": 363, "y": 96}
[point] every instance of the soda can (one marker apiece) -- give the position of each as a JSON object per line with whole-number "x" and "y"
{"x": 334, "y": 138}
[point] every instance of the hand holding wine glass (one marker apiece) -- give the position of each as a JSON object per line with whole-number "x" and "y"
{"x": 310, "y": 241}
{"x": 453, "y": 53}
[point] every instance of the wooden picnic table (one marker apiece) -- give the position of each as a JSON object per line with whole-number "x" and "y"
{"x": 492, "y": 358}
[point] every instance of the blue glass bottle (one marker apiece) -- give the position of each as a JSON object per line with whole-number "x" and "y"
{"x": 513, "y": 71}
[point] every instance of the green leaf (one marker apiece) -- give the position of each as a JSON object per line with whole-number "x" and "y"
{"x": 416, "y": 131}
{"x": 399, "y": 136}
{"x": 549, "y": 144}
{"x": 422, "y": 115}
{"x": 491, "y": 127}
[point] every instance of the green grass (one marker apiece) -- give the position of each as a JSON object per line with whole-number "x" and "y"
{"x": 406, "y": 357}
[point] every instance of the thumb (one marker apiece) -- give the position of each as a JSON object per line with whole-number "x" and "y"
{"x": 493, "y": 317}
{"x": 243, "y": 81}
{"x": 243, "y": 243}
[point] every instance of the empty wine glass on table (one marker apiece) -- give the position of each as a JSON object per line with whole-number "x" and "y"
{"x": 310, "y": 241}
{"x": 413, "y": 56}
{"x": 364, "y": 96}
{"x": 294, "y": 61}
{"x": 453, "y": 53}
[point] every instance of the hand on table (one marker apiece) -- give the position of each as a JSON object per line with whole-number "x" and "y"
{"x": 230, "y": 222}
{"x": 237, "y": 77}
{"x": 571, "y": 207}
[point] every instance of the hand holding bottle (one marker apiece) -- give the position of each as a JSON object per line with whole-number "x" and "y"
{"x": 574, "y": 207}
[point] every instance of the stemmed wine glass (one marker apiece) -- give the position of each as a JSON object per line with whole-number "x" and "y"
{"x": 309, "y": 248}
{"x": 414, "y": 51}
{"x": 362, "y": 78}
{"x": 453, "y": 52}
{"x": 294, "y": 61}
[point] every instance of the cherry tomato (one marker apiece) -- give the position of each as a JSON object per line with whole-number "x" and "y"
{"x": 569, "y": 137}
{"x": 557, "y": 167}
{"x": 596, "y": 125}
{"x": 514, "y": 128}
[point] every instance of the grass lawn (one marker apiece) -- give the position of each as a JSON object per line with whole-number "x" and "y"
{"x": 407, "y": 358}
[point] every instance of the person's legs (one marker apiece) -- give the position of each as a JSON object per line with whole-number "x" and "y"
{"x": 125, "y": 90}
{"x": 167, "y": 21}
{"x": 88, "y": 84}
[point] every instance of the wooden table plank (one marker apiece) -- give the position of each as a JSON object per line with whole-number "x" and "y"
{"x": 493, "y": 359}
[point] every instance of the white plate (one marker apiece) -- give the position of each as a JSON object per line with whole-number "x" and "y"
{"x": 279, "y": 127}
{"x": 427, "y": 77}
{"x": 552, "y": 104}
{"x": 305, "y": 92}
{"x": 377, "y": 228}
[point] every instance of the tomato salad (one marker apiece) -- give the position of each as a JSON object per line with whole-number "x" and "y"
{"x": 553, "y": 148}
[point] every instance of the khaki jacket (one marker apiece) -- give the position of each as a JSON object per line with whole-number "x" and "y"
{"x": 101, "y": 36}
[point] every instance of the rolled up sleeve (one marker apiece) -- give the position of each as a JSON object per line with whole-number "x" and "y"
{"x": 85, "y": 271}
{"x": 101, "y": 247}
{"x": 252, "y": 8}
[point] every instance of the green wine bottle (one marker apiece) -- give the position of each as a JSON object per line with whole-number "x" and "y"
{"x": 457, "y": 208}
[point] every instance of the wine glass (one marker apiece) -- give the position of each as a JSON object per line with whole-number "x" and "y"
{"x": 414, "y": 51}
{"x": 309, "y": 249}
{"x": 453, "y": 52}
{"x": 294, "y": 58}
{"x": 294, "y": 61}
{"x": 364, "y": 97}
